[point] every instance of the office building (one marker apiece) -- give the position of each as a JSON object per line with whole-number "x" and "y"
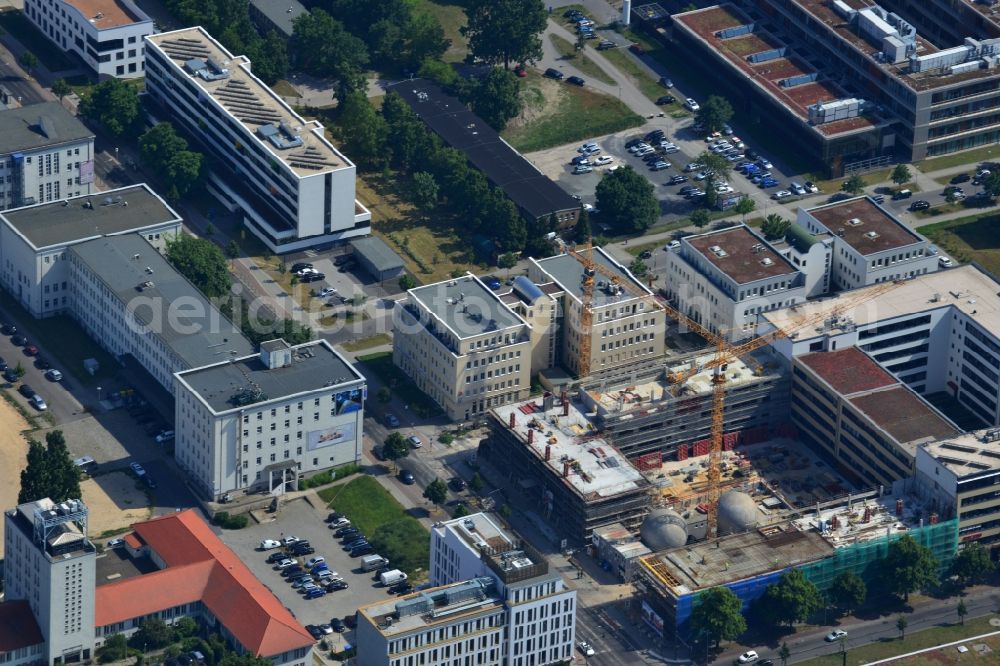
{"x": 46, "y": 154}
{"x": 619, "y": 549}
{"x": 536, "y": 196}
{"x": 132, "y": 302}
{"x": 294, "y": 189}
{"x": 578, "y": 480}
{"x": 264, "y": 420}
{"x": 463, "y": 346}
{"x": 106, "y": 34}
{"x": 960, "y": 477}
{"x": 724, "y": 279}
{"x": 55, "y": 611}
{"x": 276, "y": 15}
{"x": 34, "y": 240}
{"x": 845, "y": 405}
{"x": 627, "y": 325}
{"x": 849, "y": 82}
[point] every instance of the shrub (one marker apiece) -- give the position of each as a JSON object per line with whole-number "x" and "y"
{"x": 329, "y": 476}
{"x": 228, "y": 522}
{"x": 446, "y": 438}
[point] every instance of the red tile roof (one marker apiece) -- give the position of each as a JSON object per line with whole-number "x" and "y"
{"x": 18, "y": 628}
{"x": 200, "y": 567}
{"x": 132, "y": 541}
{"x": 848, "y": 370}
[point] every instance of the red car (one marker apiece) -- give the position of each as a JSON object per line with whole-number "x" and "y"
{"x": 31, "y": 350}
{"x": 636, "y": 49}
{"x": 520, "y": 71}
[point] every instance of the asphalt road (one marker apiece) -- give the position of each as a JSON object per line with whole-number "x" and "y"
{"x": 23, "y": 89}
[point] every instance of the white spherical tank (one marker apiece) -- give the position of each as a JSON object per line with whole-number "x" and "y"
{"x": 737, "y": 512}
{"x": 663, "y": 529}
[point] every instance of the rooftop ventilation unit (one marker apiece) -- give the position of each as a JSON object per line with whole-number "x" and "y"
{"x": 767, "y": 261}
{"x": 718, "y": 251}
{"x": 854, "y": 222}
{"x": 281, "y": 137}
{"x": 871, "y": 235}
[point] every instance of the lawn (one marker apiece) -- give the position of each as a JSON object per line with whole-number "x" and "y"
{"x": 64, "y": 339}
{"x": 395, "y": 534}
{"x": 367, "y": 343}
{"x": 52, "y": 57}
{"x": 557, "y": 114}
{"x": 452, "y": 19}
{"x": 627, "y": 65}
{"x": 972, "y": 238}
{"x": 381, "y": 364}
{"x": 970, "y": 157}
{"x": 285, "y": 89}
{"x": 580, "y": 61}
{"x": 917, "y": 640}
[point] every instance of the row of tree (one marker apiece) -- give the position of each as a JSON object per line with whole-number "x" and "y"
{"x": 907, "y": 567}
{"x": 50, "y": 471}
{"x": 166, "y": 153}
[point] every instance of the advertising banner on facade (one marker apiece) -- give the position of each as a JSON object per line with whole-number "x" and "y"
{"x": 318, "y": 439}
{"x": 348, "y": 401}
{"x": 87, "y": 172}
{"x": 652, "y": 618}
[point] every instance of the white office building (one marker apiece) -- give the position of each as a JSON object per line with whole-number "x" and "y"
{"x": 294, "y": 189}
{"x": 264, "y": 420}
{"x": 130, "y": 300}
{"x": 724, "y": 279}
{"x": 46, "y": 154}
{"x": 50, "y": 563}
{"x": 106, "y": 34}
{"x": 34, "y": 240}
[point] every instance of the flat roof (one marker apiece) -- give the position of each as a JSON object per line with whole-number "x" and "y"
{"x": 904, "y": 415}
{"x": 315, "y": 365}
{"x": 596, "y": 469}
{"x": 530, "y": 189}
{"x": 852, "y": 524}
{"x": 38, "y": 126}
{"x": 377, "y": 253}
{"x": 567, "y": 272}
{"x": 967, "y": 288}
{"x": 864, "y": 225}
{"x": 447, "y": 604}
{"x": 466, "y": 306}
{"x": 738, "y": 557}
{"x": 162, "y": 299}
{"x": 105, "y": 14}
{"x": 87, "y": 216}
{"x": 768, "y": 75}
{"x": 968, "y": 454}
{"x": 848, "y": 370}
{"x": 741, "y": 254}
{"x": 238, "y": 93}
{"x": 281, "y": 13}
{"x": 478, "y": 530}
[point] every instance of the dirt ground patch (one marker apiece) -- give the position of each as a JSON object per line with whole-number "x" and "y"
{"x": 114, "y": 502}
{"x": 13, "y": 456}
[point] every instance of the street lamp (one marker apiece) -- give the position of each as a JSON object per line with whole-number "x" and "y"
{"x": 98, "y": 394}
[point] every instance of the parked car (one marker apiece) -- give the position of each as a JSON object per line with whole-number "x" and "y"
{"x": 582, "y": 168}
{"x": 691, "y": 105}
{"x": 285, "y": 563}
{"x": 312, "y": 277}
{"x": 920, "y": 204}
{"x": 960, "y": 178}
{"x": 781, "y": 194}
{"x": 116, "y": 543}
{"x": 677, "y": 180}
{"x": 337, "y": 625}
{"x": 585, "y": 648}
{"x": 164, "y": 436}
{"x": 274, "y": 558}
{"x": 553, "y": 74}
{"x": 52, "y": 375}
{"x": 19, "y": 340}
{"x": 945, "y": 262}
{"x": 601, "y": 160}
{"x": 299, "y": 266}
{"x": 576, "y": 81}
{"x": 580, "y": 159}
{"x": 406, "y": 476}
{"x": 335, "y": 585}
{"x": 835, "y": 635}
{"x": 289, "y": 540}
{"x": 269, "y": 544}
{"x": 31, "y": 350}
{"x": 314, "y": 631}
{"x": 315, "y": 593}
{"x": 603, "y": 46}
{"x": 391, "y": 421}
{"x": 344, "y": 531}
{"x": 748, "y": 656}
{"x": 636, "y": 49}
{"x": 8, "y": 329}
{"x": 366, "y": 549}
{"x": 457, "y": 483}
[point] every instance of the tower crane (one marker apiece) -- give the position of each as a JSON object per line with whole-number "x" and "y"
{"x": 725, "y": 353}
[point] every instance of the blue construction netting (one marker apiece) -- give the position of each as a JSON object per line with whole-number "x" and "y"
{"x": 793, "y": 81}
{"x": 738, "y": 31}
{"x": 764, "y": 56}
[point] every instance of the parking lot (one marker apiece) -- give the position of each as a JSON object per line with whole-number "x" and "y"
{"x": 299, "y": 519}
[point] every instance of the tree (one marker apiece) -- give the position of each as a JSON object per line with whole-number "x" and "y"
{"x": 714, "y": 113}
{"x": 784, "y": 653}
{"x": 496, "y": 97}
{"x": 29, "y": 60}
{"x": 476, "y": 483}
{"x": 395, "y": 447}
{"x": 183, "y": 171}
{"x": 581, "y": 41}
{"x": 269, "y": 56}
{"x": 363, "y": 131}
{"x": 744, "y": 207}
{"x": 165, "y": 151}
{"x": 34, "y": 477}
{"x": 700, "y": 217}
{"x": 60, "y": 88}
{"x": 322, "y": 47}
{"x": 436, "y": 491}
{"x": 424, "y": 191}
{"x": 962, "y": 611}
{"x": 383, "y": 395}
{"x": 200, "y": 261}
{"x": 460, "y": 511}
{"x": 185, "y": 627}
{"x": 232, "y": 249}
{"x": 909, "y": 567}
{"x": 711, "y": 198}
{"x": 848, "y": 592}
{"x": 775, "y": 226}
{"x": 627, "y": 201}
{"x": 407, "y": 282}
{"x": 792, "y": 599}
{"x": 582, "y": 230}
{"x": 19, "y": 370}
{"x": 972, "y": 564}
{"x": 114, "y": 104}
{"x": 901, "y": 624}
{"x": 718, "y": 616}
{"x": 505, "y": 31}
{"x": 717, "y": 164}
{"x": 992, "y": 184}
{"x": 901, "y": 174}
{"x": 500, "y": 216}
{"x": 153, "y": 633}
{"x": 115, "y": 648}
{"x": 854, "y": 185}
{"x": 507, "y": 261}
{"x": 50, "y": 471}
{"x": 638, "y": 267}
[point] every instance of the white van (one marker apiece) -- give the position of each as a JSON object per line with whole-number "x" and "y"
{"x": 390, "y": 578}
